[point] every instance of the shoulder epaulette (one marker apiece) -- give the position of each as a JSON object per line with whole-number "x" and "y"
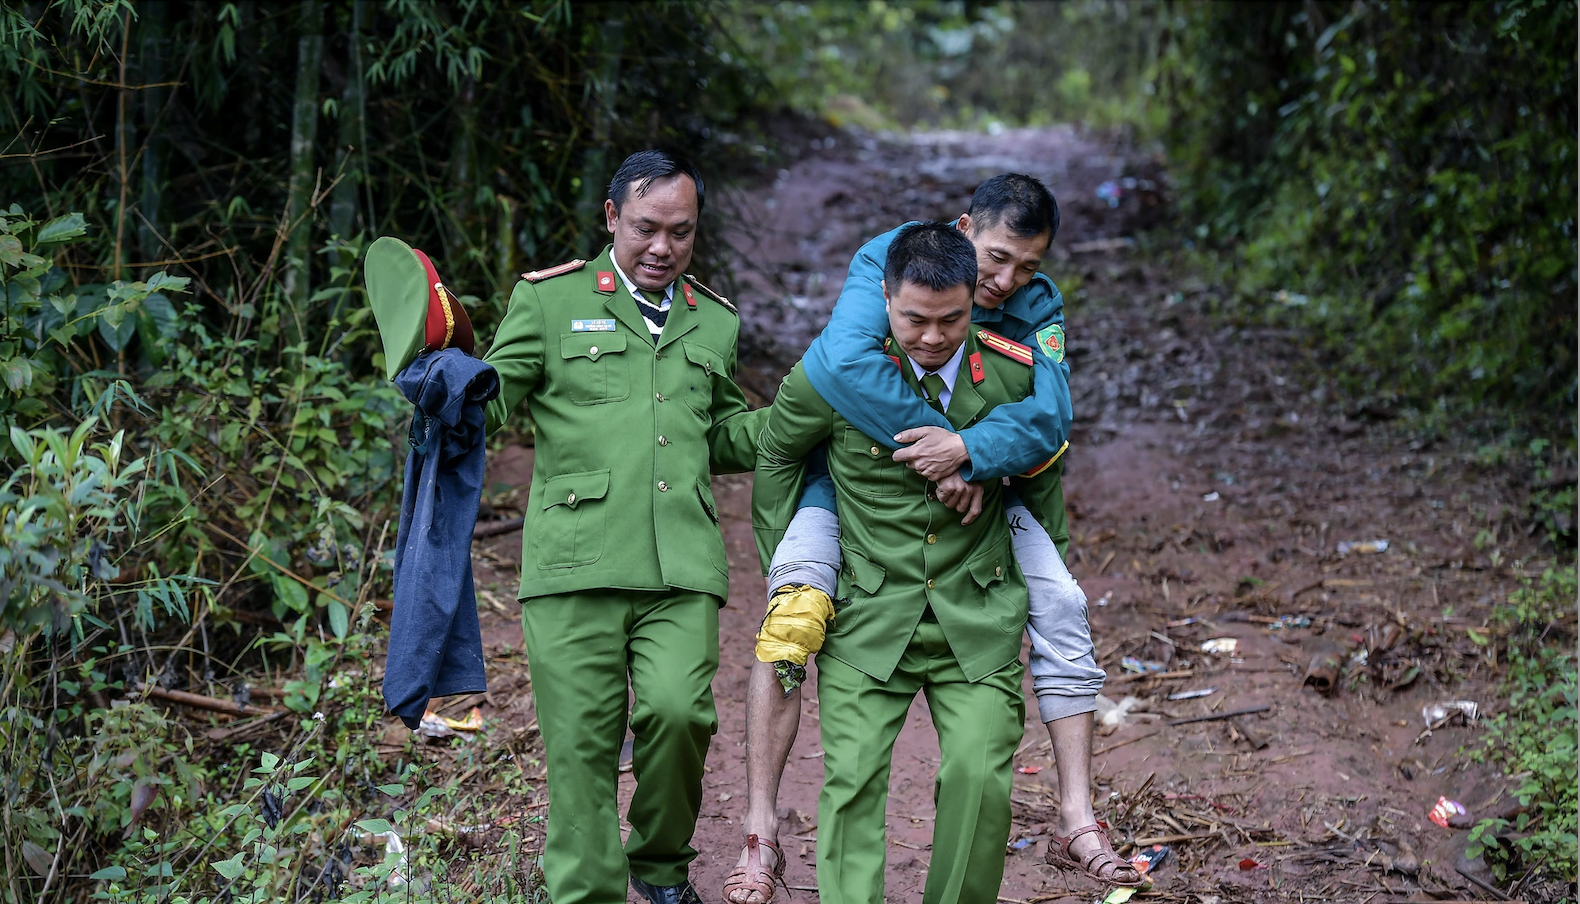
{"x": 567, "y": 267}
{"x": 711, "y": 294}
{"x": 1006, "y": 347}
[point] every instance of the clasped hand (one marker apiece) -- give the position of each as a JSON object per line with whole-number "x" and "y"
{"x": 937, "y": 454}
{"x": 932, "y": 452}
{"x": 961, "y": 496}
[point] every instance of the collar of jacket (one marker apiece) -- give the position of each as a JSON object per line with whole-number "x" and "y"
{"x": 965, "y": 402}
{"x": 683, "y": 318}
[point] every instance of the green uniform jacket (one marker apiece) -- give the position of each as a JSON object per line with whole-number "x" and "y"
{"x": 903, "y": 549}
{"x": 627, "y": 433}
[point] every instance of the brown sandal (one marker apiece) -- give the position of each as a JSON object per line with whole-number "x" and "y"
{"x": 752, "y": 877}
{"x": 1104, "y": 858}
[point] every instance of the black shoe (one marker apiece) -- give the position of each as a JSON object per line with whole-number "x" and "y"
{"x": 683, "y": 893}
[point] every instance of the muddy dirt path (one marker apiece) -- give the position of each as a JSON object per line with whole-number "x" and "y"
{"x": 1211, "y": 479}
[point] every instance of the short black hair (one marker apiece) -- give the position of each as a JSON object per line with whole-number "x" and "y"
{"x": 1020, "y": 202}
{"x": 640, "y": 169}
{"x": 935, "y": 255}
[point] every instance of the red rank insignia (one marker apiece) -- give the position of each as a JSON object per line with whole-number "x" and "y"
{"x": 691, "y": 302}
{"x": 977, "y": 374}
{"x": 605, "y": 281}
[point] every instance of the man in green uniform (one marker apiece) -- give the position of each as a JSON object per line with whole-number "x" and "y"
{"x": 935, "y": 605}
{"x": 627, "y": 365}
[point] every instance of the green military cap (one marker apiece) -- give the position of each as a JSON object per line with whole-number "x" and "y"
{"x": 415, "y": 312}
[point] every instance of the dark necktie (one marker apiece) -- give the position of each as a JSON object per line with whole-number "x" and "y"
{"x": 933, "y": 385}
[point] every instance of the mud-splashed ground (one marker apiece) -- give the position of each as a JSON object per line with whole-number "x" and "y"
{"x": 1211, "y": 479}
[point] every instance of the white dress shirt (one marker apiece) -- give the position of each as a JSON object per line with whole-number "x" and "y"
{"x": 949, "y": 371}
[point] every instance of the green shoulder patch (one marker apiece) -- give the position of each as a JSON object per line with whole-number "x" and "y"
{"x": 1051, "y": 340}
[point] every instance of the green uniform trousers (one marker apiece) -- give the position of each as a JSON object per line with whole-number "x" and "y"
{"x": 581, "y": 648}
{"x": 979, "y": 726}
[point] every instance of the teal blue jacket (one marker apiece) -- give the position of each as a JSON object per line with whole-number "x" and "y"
{"x": 848, "y": 368}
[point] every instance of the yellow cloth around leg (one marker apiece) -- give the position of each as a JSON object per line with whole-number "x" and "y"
{"x": 797, "y": 619}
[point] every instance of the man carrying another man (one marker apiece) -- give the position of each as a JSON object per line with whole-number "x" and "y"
{"x": 1011, "y": 222}
{"x": 934, "y": 606}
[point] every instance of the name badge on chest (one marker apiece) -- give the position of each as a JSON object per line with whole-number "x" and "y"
{"x": 592, "y": 326}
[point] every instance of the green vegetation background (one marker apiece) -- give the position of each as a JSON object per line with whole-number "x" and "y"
{"x": 201, "y": 459}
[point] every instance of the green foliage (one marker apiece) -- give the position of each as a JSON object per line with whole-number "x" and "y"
{"x": 938, "y": 63}
{"x": 436, "y": 78}
{"x": 64, "y": 511}
{"x": 57, "y": 510}
{"x": 1552, "y": 505}
{"x": 1398, "y": 180}
{"x": 1534, "y": 740}
{"x": 203, "y": 468}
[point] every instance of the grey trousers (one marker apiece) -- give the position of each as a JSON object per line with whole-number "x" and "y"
{"x": 1063, "y": 665}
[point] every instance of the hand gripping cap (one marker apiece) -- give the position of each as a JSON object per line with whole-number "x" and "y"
{"x": 415, "y": 312}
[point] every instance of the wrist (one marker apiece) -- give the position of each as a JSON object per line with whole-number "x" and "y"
{"x": 961, "y": 455}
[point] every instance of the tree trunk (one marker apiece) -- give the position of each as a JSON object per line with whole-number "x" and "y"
{"x": 463, "y": 175}
{"x": 304, "y": 135}
{"x": 595, "y": 164}
{"x": 150, "y": 225}
{"x": 506, "y": 261}
{"x": 124, "y": 136}
{"x": 350, "y": 155}
{"x": 247, "y": 42}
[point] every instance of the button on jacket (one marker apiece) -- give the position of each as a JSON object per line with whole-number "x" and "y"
{"x": 628, "y": 431}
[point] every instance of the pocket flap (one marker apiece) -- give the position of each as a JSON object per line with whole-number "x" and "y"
{"x": 591, "y": 345}
{"x": 863, "y": 572}
{"x": 990, "y": 567}
{"x": 706, "y": 358}
{"x": 574, "y": 489}
{"x": 862, "y": 444}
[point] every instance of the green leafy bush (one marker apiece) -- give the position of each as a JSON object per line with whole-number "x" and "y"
{"x": 883, "y": 64}
{"x": 1534, "y": 740}
{"x": 1397, "y": 179}
{"x": 202, "y": 455}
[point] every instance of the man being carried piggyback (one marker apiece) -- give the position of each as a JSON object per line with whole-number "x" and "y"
{"x": 959, "y": 461}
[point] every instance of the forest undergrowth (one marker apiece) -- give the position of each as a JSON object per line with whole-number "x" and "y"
{"x": 202, "y": 463}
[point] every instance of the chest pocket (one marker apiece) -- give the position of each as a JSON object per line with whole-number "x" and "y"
{"x": 596, "y": 370}
{"x": 704, "y": 365}
{"x": 869, "y": 469}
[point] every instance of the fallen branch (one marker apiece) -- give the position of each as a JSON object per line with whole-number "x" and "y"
{"x": 1461, "y": 901}
{"x": 1118, "y": 744}
{"x": 1161, "y": 676}
{"x": 212, "y": 704}
{"x": 1174, "y": 839}
{"x": 1482, "y": 884}
{"x": 492, "y": 528}
{"x": 1214, "y": 717}
{"x": 1256, "y": 738}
